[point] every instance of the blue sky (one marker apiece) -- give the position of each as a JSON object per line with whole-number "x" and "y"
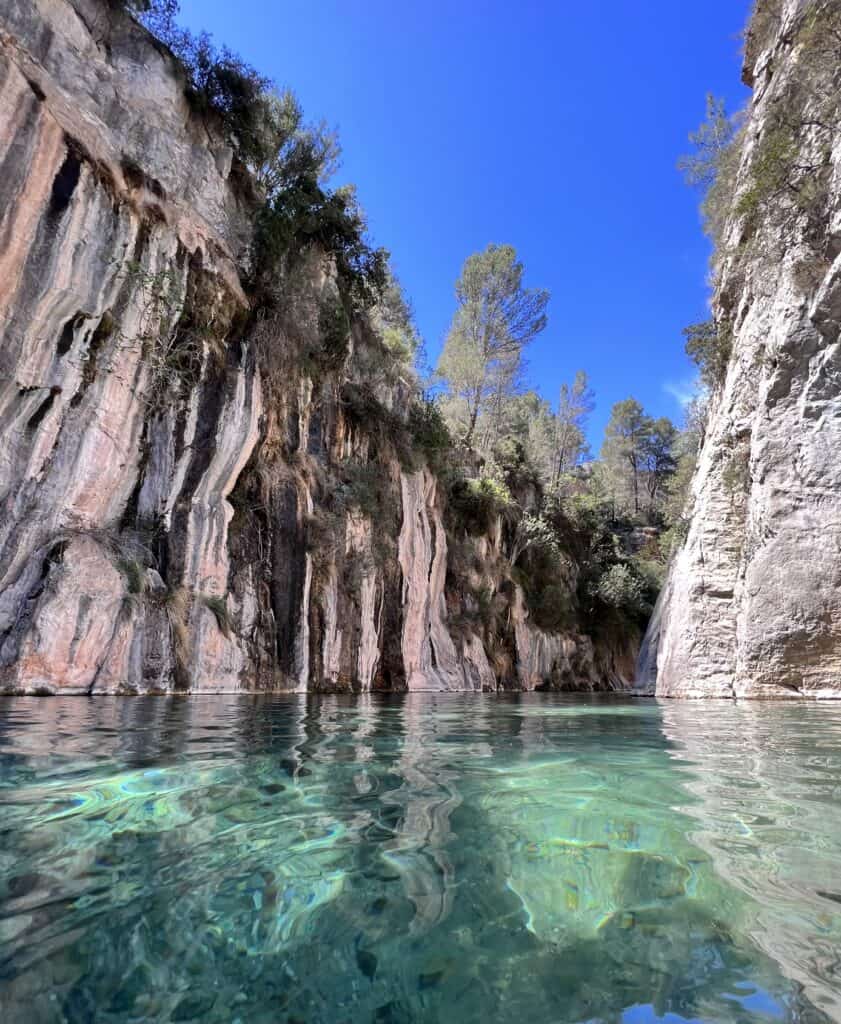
{"x": 552, "y": 126}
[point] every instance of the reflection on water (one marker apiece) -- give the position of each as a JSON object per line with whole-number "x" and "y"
{"x": 768, "y": 787}
{"x": 431, "y": 858}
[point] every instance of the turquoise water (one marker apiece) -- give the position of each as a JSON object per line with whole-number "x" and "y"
{"x": 432, "y": 858}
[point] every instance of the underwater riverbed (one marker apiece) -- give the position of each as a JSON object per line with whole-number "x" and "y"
{"x": 430, "y": 858}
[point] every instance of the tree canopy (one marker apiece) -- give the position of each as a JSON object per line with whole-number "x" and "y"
{"x": 496, "y": 317}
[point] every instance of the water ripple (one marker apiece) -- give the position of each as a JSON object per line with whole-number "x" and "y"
{"x": 431, "y": 858}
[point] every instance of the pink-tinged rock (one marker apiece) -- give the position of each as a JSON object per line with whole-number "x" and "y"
{"x": 429, "y": 655}
{"x": 73, "y": 625}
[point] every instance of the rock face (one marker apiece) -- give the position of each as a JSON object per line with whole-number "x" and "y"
{"x": 173, "y": 516}
{"x": 752, "y": 607}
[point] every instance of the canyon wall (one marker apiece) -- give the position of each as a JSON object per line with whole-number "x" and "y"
{"x": 752, "y": 606}
{"x": 175, "y": 507}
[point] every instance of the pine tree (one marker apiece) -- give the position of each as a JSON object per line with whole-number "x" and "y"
{"x": 495, "y": 319}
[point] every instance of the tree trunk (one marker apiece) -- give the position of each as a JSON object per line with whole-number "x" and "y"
{"x": 474, "y": 413}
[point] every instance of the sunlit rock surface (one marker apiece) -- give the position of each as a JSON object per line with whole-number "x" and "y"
{"x": 752, "y": 606}
{"x": 428, "y": 650}
{"x": 167, "y": 495}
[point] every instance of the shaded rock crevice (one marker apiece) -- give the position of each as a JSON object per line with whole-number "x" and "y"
{"x": 190, "y": 499}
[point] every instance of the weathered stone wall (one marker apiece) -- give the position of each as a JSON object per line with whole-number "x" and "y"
{"x": 167, "y": 512}
{"x": 752, "y": 607}
{"x": 115, "y": 210}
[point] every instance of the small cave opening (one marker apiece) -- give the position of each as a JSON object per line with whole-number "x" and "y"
{"x": 64, "y": 185}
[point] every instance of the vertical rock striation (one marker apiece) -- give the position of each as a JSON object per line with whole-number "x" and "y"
{"x": 177, "y": 510}
{"x": 114, "y": 216}
{"x": 429, "y": 653}
{"x": 752, "y": 607}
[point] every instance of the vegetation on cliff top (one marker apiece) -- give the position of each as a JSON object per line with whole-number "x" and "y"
{"x": 579, "y": 535}
{"x": 763, "y": 192}
{"x": 287, "y": 161}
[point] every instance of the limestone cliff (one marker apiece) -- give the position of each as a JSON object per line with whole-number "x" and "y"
{"x": 752, "y": 607}
{"x": 177, "y": 511}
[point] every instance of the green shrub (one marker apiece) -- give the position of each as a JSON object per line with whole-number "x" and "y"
{"x": 551, "y": 605}
{"x": 421, "y": 437}
{"x": 366, "y": 488}
{"x": 219, "y": 607}
{"x": 771, "y": 169}
{"x": 622, "y": 589}
{"x": 510, "y": 459}
{"x": 473, "y": 505}
{"x": 218, "y": 81}
{"x": 334, "y": 334}
{"x": 393, "y": 319}
{"x": 546, "y": 574}
{"x": 287, "y": 160}
{"x": 586, "y": 513}
{"x": 535, "y": 534}
{"x": 674, "y": 537}
{"x": 429, "y": 433}
{"x": 134, "y": 574}
{"x": 652, "y": 572}
{"x": 790, "y": 165}
{"x": 709, "y": 346}
{"x": 383, "y": 426}
{"x": 304, "y": 214}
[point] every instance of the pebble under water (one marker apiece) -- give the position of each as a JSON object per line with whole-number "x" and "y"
{"x": 435, "y": 858}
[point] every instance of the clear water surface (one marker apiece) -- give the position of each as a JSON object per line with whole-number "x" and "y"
{"x": 428, "y": 858}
